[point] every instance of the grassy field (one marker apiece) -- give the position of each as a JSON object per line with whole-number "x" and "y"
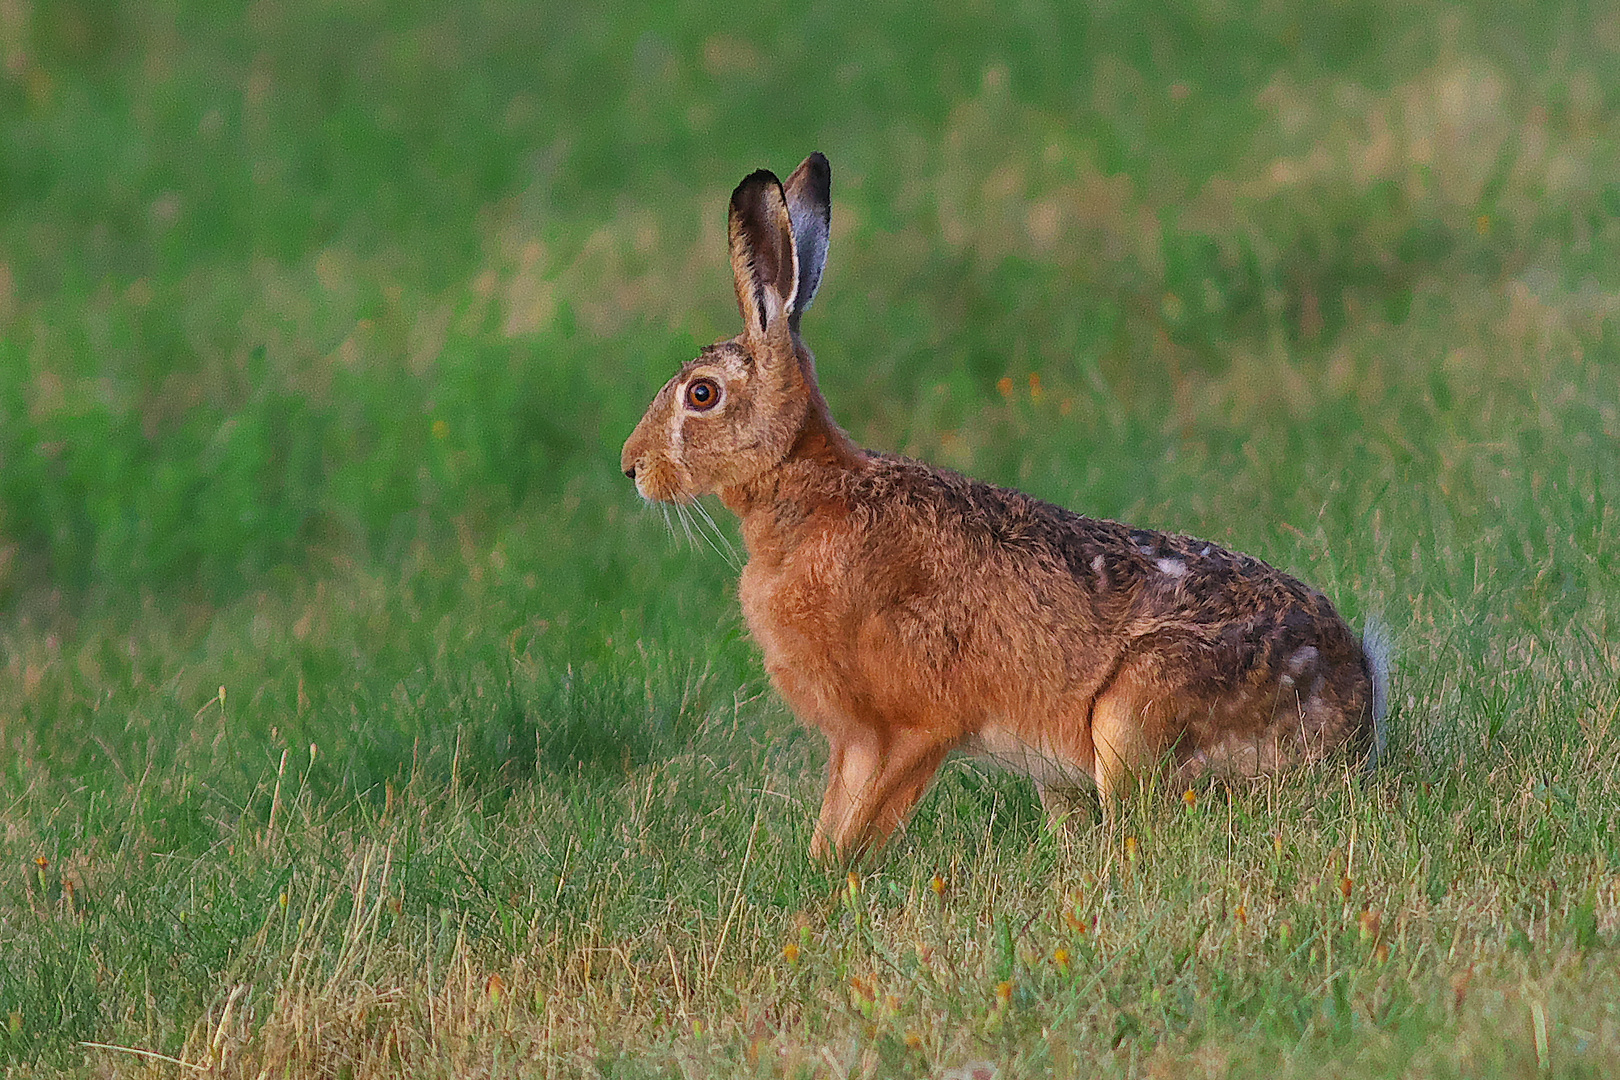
{"x": 357, "y": 720}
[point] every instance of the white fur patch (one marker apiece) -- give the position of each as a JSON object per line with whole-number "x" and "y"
{"x": 677, "y": 435}
{"x": 1173, "y": 567}
{"x": 1298, "y": 660}
{"x": 1301, "y": 658}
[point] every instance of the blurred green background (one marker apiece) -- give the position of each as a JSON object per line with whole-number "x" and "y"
{"x": 284, "y": 282}
{"x": 321, "y": 325}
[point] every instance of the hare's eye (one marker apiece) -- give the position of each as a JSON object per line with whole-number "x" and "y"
{"x": 702, "y": 394}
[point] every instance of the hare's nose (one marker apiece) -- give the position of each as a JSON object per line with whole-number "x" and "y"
{"x": 630, "y": 473}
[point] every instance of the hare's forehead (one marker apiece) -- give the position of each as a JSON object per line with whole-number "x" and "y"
{"x": 725, "y": 361}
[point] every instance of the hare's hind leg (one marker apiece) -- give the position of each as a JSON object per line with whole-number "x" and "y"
{"x": 873, "y": 781}
{"x": 1131, "y": 731}
{"x": 1057, "y": 804}
{"x": 1061, "y": 803}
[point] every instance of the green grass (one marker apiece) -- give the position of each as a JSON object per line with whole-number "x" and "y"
{"x": 355, "y": 718}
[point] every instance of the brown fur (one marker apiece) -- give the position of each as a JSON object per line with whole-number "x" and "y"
{"x": 907, "y": 611}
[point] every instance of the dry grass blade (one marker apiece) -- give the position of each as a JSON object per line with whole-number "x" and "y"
{"x": 150, "y": 1055}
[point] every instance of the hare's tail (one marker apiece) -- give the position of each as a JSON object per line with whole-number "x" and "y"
{"x": 1376, "y": 643}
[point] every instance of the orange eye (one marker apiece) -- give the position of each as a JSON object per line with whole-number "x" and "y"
{"x": 702, "y": 394}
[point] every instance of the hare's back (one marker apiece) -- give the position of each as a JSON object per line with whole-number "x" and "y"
{"x": 1221, "y": 617}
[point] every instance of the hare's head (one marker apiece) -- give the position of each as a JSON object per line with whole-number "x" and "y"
{"x": 733, "y": 413}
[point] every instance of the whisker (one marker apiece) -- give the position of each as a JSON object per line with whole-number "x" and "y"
{"x": 703, "y": 523}
{"x": 712, "y": 535}
{"x": 686, "y": 524}
{"x": 730, "y": 553}
{"x": 694, "y": 527}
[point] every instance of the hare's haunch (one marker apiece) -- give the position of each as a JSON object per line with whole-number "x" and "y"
{"x": 907, "y": 611}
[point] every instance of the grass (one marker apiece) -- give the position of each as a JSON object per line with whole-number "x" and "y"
{"x": 355, "y": 719}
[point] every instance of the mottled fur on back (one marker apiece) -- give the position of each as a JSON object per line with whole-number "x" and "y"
{"x": 907, "y": 611}
{"x": 1231, "y": 619}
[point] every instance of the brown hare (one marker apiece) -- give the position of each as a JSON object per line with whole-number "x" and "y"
{"x": 908, "y": 611}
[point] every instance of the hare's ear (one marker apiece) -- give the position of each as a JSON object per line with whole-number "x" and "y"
{"x": 809, "y": 201}
{"x": 762, "y": 258}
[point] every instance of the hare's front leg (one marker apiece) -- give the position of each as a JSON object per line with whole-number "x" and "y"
{"x": 1133, "y": 729}
{"x": 873, "y": 780}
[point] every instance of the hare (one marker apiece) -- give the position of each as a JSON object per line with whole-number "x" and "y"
{"x": 907, "y": 611}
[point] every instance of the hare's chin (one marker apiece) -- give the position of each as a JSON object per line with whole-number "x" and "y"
{"x": 662, "y": 494}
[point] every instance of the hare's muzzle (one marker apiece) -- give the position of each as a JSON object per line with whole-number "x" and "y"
{"x": 630, "y": 457}
{"x": 640, "y": 466}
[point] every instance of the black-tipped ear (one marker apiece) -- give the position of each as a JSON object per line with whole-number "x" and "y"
{"x": 809, "y": 201}
{"x": 762, "y": 257}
